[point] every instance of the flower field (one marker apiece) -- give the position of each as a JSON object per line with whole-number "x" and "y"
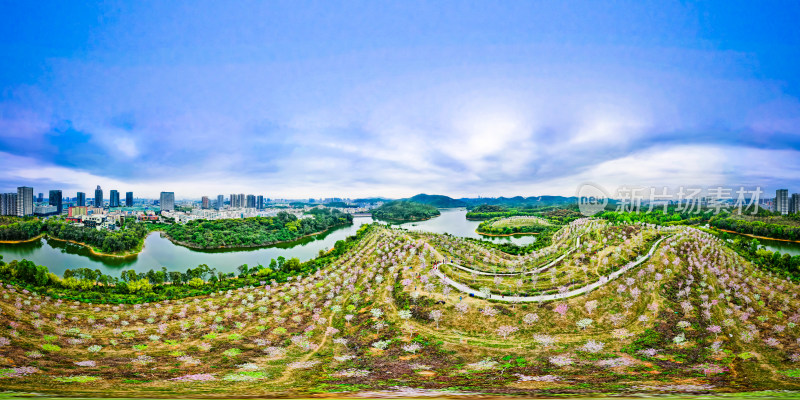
{"x": 606, "y": 308}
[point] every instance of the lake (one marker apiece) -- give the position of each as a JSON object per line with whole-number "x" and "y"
{"x": 160, "y": 252}
{"x": 790, "y": 248}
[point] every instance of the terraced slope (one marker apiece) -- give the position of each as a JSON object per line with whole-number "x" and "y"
{"x": 617, "y": 308}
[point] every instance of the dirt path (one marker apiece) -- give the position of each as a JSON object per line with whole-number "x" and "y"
{"x": 288, "y": 372}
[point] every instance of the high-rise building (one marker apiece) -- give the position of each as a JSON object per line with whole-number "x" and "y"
{"x": 24, "y": 201}
{"x": 794, "y": 204}
{"x": 81, "y": 199}
{"x": 251, "y": 201}
{"x": 167, "y": 201}
{"x": 56, "y": 200}
{"x": 8, "y": 204}
{"x": 260, "y": 202}
{"x": 205, "y": 203}
{"x": 233, "y": 201}
{"x": 98, "y": 197}
{"x": 41, "y": 198}
{"x": 220, "y": 202}
{"x": 782, "y": 201}
{"x": 242, "y": 200}
{"x": 76, "y": 211}
{"x": 128, "y": 199}
{"x": 113, "y": 198}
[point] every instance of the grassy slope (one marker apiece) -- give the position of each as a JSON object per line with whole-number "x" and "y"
{"x": 248, "y": 340}
{"x": 518, "y": 221}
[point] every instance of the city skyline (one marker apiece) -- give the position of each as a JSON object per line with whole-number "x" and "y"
{"x": 463, "y": 99}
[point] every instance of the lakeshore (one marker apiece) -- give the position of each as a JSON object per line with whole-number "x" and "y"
{"x": 757, "y": 237}
{"x": 506, "y": 234}
{"x": 255, "y": 246}
{"x": 33, "y": 239}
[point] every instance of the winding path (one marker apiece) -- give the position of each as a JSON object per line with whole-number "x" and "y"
{"x": 535, "y": 271}
{"x": 549, "y": 297}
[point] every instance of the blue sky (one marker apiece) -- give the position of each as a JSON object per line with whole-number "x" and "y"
{"x": 299, "y": 99}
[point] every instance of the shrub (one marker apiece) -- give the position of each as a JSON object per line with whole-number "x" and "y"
{"x": 75, "y": 379}
{"x": 140, "y": 286}
{"x": 232, "y": 352}
{"x": 51, "y": 347}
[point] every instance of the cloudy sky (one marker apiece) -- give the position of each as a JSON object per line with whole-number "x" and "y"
{"x": 322, "y": 99}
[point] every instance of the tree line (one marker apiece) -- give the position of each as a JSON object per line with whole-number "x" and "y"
{"x": 757, "y": 228}
{"x": 782, "y": 228}
{"x": 131, "y": 287}
{"x": 128, "y": 238}
{"x": 255, "y": 231}
{"x": 783, "y": 264}
{"x": 556, "y": 214}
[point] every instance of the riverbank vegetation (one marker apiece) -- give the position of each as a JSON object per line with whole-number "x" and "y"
{"x": 554, "y": 214}
{"x": 776, "y": 227}
{"x": 254, "y": 232}
{"x": 131, "y": 287}
{"x": 782, "y": 264}
{"x": 403, "y": 210}
{"x": 127, "y": 239}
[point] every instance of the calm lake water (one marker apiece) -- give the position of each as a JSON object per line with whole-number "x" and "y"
{"x": 775, "y": 245}
{"x": 159, "y": 252}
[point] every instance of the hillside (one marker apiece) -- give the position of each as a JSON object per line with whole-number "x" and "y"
{"x": 402, "y": 210}
{"x": 606, "y": 308}
{"x": 255, "y": 231}
{"x": 513, "y": 225}
{"x": 438, "y": 201}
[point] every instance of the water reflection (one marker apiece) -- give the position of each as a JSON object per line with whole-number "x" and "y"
{"x": 160, "y": 252}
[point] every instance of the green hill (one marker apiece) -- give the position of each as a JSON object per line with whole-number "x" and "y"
{"x": 403, "y": 210}
{"x": 438, "y": 201}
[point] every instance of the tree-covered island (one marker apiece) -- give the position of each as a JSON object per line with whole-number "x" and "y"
{"x": 255, "y": 231}
{"x": 403, "y": 210}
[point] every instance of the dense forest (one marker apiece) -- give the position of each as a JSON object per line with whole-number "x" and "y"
{"x": 556, "y": 214}
{"x": 488, "y": 211}
{"x": 133, "y": 287}
{"x": 403, "y": 210}
{"x": 256, "y": 231}
{"x": 20, "y": 229}
{"x": 130, "y": 237}
{"x": 780, "y": 230}
{"x": 672, "y": 216}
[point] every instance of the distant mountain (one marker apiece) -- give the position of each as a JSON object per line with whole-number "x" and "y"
{"x": 441, "y": 201}
{"x": 371, "y": 200}
{"x": 519, "y": 201}
{"x": 438, "y": 201}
